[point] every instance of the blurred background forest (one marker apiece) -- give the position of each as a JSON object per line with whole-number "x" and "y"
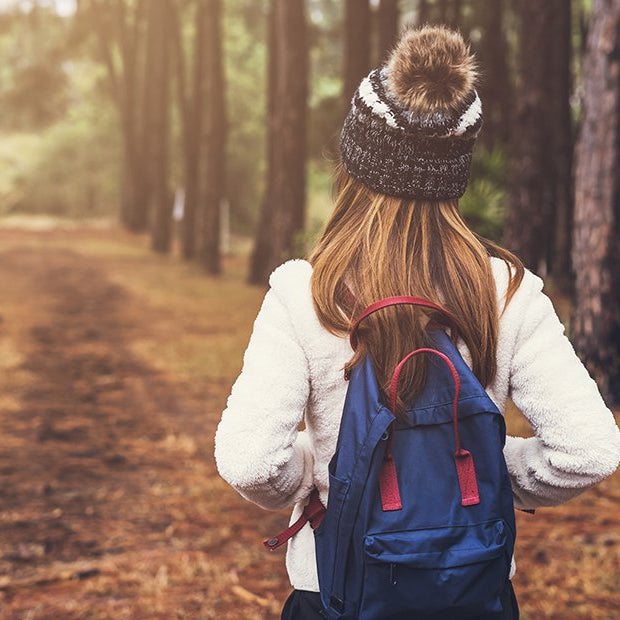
{"x": 182, "y": 149}
{"x": 206, "y": 121}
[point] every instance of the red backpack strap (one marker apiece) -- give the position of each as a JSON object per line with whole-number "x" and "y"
{"x": 400, "y": 300}
{"x": 313, "y": 513}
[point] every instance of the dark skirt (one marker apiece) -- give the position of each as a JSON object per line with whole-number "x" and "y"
{"x": 303, "y": 605}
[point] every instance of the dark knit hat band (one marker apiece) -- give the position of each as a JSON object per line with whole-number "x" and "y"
{"x": 398, "y": 152}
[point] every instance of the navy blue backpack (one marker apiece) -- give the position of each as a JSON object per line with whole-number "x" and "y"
{"x": 420, "y": 520}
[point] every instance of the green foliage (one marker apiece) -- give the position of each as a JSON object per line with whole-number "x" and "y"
{"x": 75, "y": 172}
{"x": 325, "y": 121}
{"x": 59, "y": 135}
{"x": 484, "y": 202}
{"x": 319, "y": 203}
{"x": 34, "y": 78}
{"x": 71, "y": 167}
{"x": 325, "y": 114}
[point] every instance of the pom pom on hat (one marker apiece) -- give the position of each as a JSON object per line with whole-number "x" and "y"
{"x": 430, "y": 69}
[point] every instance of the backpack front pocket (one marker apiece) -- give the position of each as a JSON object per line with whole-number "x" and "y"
{"x": 454, "y": 572}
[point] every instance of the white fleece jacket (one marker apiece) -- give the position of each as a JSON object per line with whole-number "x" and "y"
{"x": 293, "y": 370}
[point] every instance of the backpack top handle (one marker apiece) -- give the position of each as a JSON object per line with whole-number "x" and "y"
{"x": 457, "y": 388}
{"x": 466, "y": 472}
{"x": 398, "y": 301}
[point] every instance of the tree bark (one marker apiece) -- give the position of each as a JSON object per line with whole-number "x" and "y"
{"x": 294, "y": 183}
{"x": 596, "y": 250}
{"x": 137, "y": 104}
{"x": 263, "y": 231}
{"x": 282, "y": 212}
{"x": 119, "y": 30}
{"x": 444, "y": 11}
{"x": 495, "y": 85}
{"x": 529, "y": 215}
{"x": 456, "y": 18}
{"x": 356, "y": 47}
{"x": 161, "y": 200}
{"x": 190, "y": 94}
{"x": 560, "y": 89}
{"x": 424, "y": 12}
{"x": 214, "y": 141}
{"x": 387, "y": 15}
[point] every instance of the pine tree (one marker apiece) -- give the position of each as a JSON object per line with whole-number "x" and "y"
{"x": 283, "y": 206}
{"x": 596, "y": 249}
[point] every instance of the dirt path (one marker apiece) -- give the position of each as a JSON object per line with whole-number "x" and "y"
{"x": 107, "y": 498}
{"x": 110, "y": 505}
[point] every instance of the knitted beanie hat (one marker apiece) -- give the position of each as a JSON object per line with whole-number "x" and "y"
{"x": 413, "y": 122}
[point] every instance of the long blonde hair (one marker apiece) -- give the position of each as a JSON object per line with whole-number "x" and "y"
{"x": 376, "y": 246}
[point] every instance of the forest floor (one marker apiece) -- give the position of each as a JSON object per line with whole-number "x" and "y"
{"x": 115, "y": 365}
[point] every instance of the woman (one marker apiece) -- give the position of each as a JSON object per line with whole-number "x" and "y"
{"x": 406, "y": 150}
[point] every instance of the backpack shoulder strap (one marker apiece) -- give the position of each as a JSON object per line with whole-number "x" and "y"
{"x": 400, "y": 300}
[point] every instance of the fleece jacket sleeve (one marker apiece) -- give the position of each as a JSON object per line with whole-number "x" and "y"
{"x": 576, "y": 442}
{"x": 258, "y": 448}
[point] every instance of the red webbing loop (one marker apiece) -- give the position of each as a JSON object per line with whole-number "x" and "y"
{"x": 396, "y": 301}
{"x": 464, "y": 461}
{"x": 467, "y": 477}
{"x": 457, "y": 387}
{"x": 388, "y": 481}
{"x": 313, "y": 512}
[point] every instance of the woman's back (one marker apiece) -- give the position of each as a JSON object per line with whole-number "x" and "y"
{"x": 293, "y": 371}
{"x": 406, "y": 150}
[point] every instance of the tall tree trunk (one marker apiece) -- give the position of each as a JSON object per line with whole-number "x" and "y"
{"x": 596, "y": 250}
{"x": 387, "y": 15}
{"x": 560, "y": 83}
{"x": 215, "y": 141}
{"x": 296, "y": 114}
{"x": 356, "y": 47}
{"x": 191, "y": 94}
{"x": 260, "y": 254}
{"x": 529, "y": 214}
{"x": 495, "y": 85}
{"x": 193, "y": 155}
{"x": 141, "y": 102}
{"x": 119, "y": 29}
{"x": 424, "y": 12}
{"x": 282, "y": 212}
{"x": 161, "y": 199}
{"x": 456, "y": 16}
{"x": 444, "y": 11}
